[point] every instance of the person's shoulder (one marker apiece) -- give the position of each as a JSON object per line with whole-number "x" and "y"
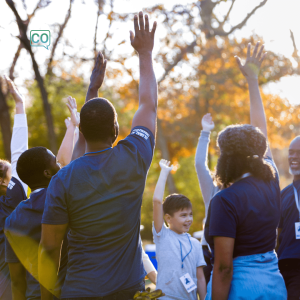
{"x": 286, "y": 191}
{"x": 195, "y": 242}
{"x": 138, "y": 134}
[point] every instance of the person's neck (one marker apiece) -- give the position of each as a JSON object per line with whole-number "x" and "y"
{"x": 39, "y": 186}
{"x": 296, "y": 177}
{"x": 176, "y": 231}
{"x": 97, "y": 146}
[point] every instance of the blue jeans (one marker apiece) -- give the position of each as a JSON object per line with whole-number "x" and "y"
{"x": 121, "y": 295}
{"x": 255, "y": 277}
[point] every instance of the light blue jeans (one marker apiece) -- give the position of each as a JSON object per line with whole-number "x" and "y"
{"x": 255, "y": 277}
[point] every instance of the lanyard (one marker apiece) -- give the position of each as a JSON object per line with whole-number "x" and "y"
{"x": 97, "y": 151}
{"x": 183, "y": 258}
{"x": 297, "y": 200}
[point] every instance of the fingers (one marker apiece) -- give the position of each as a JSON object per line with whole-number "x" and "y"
{"x": 153, "y": 29}
{"x": 136, "y": 24}
{"x": 141, "y": 20}
{"x": 255, "y": 50}
{"x": 69, "y": 107}
{"x": 238, "y": 60}
{"x": 263, "y": 57}
{"x": 131, "y": 36}
{"x": 147, "y": 23}
{"x": 260, "y": 52}
{"x": 248, "y": 51}
{"x": 100, "y": 61}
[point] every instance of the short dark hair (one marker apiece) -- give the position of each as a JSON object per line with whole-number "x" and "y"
{"x": 32, "y": 163}
{"x": 175, "y": 202}
{"x": 97, "y": 118}
{"x": 242, "y": 149}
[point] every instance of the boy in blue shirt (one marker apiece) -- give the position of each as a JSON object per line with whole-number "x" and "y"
{"x": 99, "y": 195}
{"x": 179, "y": 256}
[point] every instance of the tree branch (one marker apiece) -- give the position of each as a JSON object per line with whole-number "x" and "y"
{"x": 228, "y": 13}
{"x": 13, "y": 65}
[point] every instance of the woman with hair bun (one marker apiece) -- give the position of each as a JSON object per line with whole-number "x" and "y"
{"x": 243, "y": 217}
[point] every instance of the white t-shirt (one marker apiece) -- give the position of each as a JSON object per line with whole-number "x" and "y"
{"x": 169, "y": 261}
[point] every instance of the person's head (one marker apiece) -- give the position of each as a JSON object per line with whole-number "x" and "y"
{"x": 5, "y": 176}
{"x": 36, "y": 166}
{"x": 242, "y": 148}
{"x": 98, "y": 121}
{"x": 178, "y": 212}
{"x": 294, "y": 156}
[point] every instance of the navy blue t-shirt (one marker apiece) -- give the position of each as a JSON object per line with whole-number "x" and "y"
{"x": 14, "y": 195}
{"x": 249, "y": 212}
{"x": 289, "y": 246}
{"x": 100, "y": 197}
{"x": 23, "y": 232}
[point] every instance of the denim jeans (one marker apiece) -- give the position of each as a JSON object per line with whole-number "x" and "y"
{"x": 121, "y": 295}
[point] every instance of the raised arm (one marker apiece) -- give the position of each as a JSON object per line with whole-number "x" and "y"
{"x": 158, "y": 213}
{"x": 251, "y": 70}
{"x": 207, "y": 186}
{"x": 19, "y": 140}
{"x": 96, "y": 81}
{"x": 143, "y": 41}
{"x": 65, "y": 151}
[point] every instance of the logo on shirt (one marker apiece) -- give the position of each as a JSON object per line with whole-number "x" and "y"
{"x": 10, "y": 185}
{"x": 144, "y": 134}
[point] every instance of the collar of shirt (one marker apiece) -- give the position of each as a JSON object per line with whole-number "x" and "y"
{"x": 36, "y": 191}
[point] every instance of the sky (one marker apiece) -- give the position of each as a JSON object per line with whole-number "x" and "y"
{"x": 273, "y": 22}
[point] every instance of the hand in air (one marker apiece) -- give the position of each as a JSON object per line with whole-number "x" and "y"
{"x": 98, "y": 72}
{"x": 165, "y": 165}
{"x": 72, "y": 106}
{"x": 142, "y": 40}
{"x": 18, "y": 97}
{"x": 207, "y": 123}
{"x": 252, "y": 65}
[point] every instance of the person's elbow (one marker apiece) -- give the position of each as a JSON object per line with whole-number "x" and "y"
{"x": 225, "y": 271}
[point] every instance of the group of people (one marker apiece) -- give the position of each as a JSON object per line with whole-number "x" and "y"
{"x": 77, "y": 236}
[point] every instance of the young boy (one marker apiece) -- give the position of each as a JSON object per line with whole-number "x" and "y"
{"x": 179, "y": 256}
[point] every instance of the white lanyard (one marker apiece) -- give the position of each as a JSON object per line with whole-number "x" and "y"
{"x": 297, "y": 200}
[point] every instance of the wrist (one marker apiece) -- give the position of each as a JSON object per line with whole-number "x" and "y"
{"x": 93, "y": 88}
{"x": 145, "y": 54}
{"x": 206, "y": 129}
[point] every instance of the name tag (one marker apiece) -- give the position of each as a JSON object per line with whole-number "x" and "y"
{"x": 297, "y": 230}
{"x": 188, "y": 282}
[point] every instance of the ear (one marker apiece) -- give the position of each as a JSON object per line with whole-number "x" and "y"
{"x": 47, "y": 174}
{"x": 168, "y": 218}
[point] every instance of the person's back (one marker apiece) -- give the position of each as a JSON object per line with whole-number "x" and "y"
{"x": 102, "y": 206}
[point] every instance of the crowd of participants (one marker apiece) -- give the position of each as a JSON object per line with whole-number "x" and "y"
{"x": 77, "y": 236}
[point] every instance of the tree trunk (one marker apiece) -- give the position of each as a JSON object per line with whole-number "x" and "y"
{"x": 5, "y": 124}
{"x": 163, "y": 146}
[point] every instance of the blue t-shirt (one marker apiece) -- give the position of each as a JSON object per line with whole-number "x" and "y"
{"x": 100, "y": 197}
{"x": 289, "y": 246}
{"x": 23, "y": 232}
{"x": 249, "y": 212}
{"x": 14, "y": 195}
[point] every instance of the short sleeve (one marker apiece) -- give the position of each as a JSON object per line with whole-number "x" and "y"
{"x": 223, "y": 218}
{"x": 15, "y": 193}
{"x": 55, "y": 212}
{"x": 158, "y": 236}
{"x": 200, "y": 262}
{"x": 10, "y": 256}
{"x": 143, "y": 139}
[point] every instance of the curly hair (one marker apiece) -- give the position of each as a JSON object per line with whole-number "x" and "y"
{"x": 242, "y": 150}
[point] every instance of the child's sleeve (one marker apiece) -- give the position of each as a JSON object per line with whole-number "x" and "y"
{"x": 158, "y": 236}
{"x": 200, "y": 257}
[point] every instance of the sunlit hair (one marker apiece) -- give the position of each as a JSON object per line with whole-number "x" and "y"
{"x": 242, "y": 150}
{"x": 175, "y": 202}
{"x": 97, "y": 119}
{"x": 3, "y": 169}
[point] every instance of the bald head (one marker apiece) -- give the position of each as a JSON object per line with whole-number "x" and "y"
{"x": 294, "y": 156}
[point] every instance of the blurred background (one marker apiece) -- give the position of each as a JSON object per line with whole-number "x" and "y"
{"x": 195, "y": 45}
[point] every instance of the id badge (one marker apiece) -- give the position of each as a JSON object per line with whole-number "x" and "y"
{"x": 188, "y": 282}
{"x": 297, "y": 230}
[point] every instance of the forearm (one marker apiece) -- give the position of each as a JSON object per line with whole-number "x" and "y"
{"x": 48, "y": 264}
{"x": 152, "y": 276}
{"x": 201, "y": 288}
{"x": 79, "y": 148}
{"x": 148, "y": 84}
{"x": 65, "y": 151}
{"x": 91, "y": 93}
{"x": 20, "y": 108}
{"x": 257, "y": 112}
{"x": 221, "y": 283}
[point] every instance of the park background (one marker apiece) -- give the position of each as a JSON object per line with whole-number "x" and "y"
{"x": 195, "y": 45}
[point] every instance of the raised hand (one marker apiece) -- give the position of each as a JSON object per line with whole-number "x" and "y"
{"x": 142, "y": 40}
{"x": 252, "y": 65}
{"x": 18, "y": 97}
{"x": 207, "y": 123}
{"x": 98, "y": 72}
{"x": 165, "y": 166}
{"x": 72, "y": 106}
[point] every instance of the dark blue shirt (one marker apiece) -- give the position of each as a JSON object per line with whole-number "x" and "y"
{"x": 14, "y": 195}
{"x": 249, "y": 212}
{"x": 289, "y": 246}
{"x": 23, "y": 232}
{"x": 100, "y": 197}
